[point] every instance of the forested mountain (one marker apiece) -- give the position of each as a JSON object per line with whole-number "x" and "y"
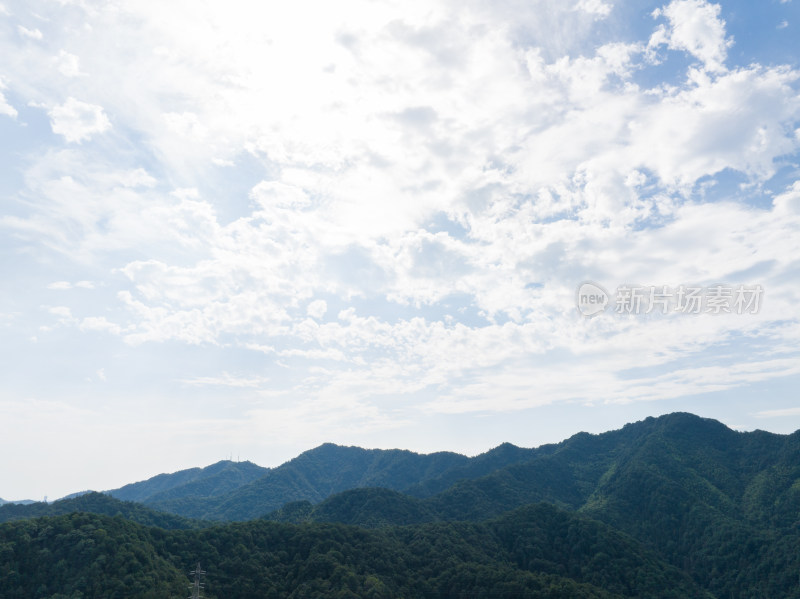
{"x": 77, "y": 494}
{"x": 315, "y": 475}
{"x": 481, "y": 465}
{"x": 679, "y": 499}
{"x": 20, "y": 502}
{"x": 96, "y": 503}
{"x": 211, "y": 481}
{"x": 722, "y": 506}
{"x": 538, "y": 551}
{"x": 326, "y": 470}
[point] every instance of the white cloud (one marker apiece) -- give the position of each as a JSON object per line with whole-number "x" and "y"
{"x": 33, "y": 34}
{"x": 317, "y": 309}
{"x": 271, "y": 195}
{"x": 738, "y": 121}
{"x": 99, "y": 324}
{"x": 64, "y": 285}
{"x": 788, "y": 203}
{"x": 595, "y": 7}
{"x": 254, "y": 274}
{"x": 781, "y": 413}
{"x": 696, "y": 28}
{"x": 227, "y": 380}
{"x": 443, "y": 177}
{"x": 186, "y": 125}
{"x": 78, "y": 121}
{"x": 186, "y": 193}
{"x": 6, "y": 108}
{"x": 68, "y": 64}
{"x": 62, "y": 311}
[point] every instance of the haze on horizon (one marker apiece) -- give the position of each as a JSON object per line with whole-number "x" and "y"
{"x": 238, "y": 230}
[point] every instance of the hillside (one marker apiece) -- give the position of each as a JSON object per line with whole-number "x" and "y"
{"x": 19, "y": 502}
{"x": 315, "y": 475}
{"x": 501, "y": 456}
{"x": 211, "y": 481}
{"x": 96, "y": 503}
{"x": 537, "y": 552}
{"x": 719, "y": 506}
{"x": 214, "y": 493}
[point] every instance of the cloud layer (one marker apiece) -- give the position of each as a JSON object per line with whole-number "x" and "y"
{"x": 379, "y": 215}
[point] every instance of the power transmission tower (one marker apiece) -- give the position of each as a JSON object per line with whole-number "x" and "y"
{"x": 197, "y": 586}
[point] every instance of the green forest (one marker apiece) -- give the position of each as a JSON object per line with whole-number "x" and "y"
{"x": 677, "y": 506}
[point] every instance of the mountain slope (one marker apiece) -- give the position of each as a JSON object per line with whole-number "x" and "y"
{"x": 716, "y": 502}
{"x": 682, "y": 493}
{"x": 501, "y": 456}
{"x": 571, "y": 474}
{"x": 315, "y": 475}
{"x": 537, "y": 552}
{"x": 211, "y": 481}
{"x": 96, "y": 503}
{"x": 18, "y": 502}
{"x": 721, "y": 505}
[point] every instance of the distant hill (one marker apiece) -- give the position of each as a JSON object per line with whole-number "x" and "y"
{"x": 18, "y": 502}
{"x": 719, "y": 506}
{"x": 211, "y": 481}
{"x": 315, "y": 475}
{"x": 481, "y": 465}
{"x": 77, "y": 494}
{"x": 96, "y": 503}
{"x": 243, "y": 491}
{"x": 573, "y": 474}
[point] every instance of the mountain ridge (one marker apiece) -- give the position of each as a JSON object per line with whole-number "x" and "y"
{"x": 211, "y": 480}
{"x": 719, "y": 506}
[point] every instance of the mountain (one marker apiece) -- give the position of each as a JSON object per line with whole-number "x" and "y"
{"x": 211, "y": 481}
{"x": 481, "y": 465}
{"x": 329, "y": 469}
{"x": 718, "y": 503}
{"x": 370, "y": 507}
{"x": 214, "y": 493}
{"x": 96, "y": 503}
{"x": 565, "y": 474}
{"x": 313, "y": 476}
{"x": 722, "y": 506}
{"x": 77, "y": 494}
{"x": 688, "y": 494}
{"x": 537, "y": 552}
{"x": 18, "y": 502}
{"x": 575, "y": 474}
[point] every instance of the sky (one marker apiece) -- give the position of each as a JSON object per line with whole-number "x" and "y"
{"x": 242, "y": 229}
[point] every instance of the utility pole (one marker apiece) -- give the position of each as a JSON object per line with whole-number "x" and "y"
{"x": 197, "y": 586}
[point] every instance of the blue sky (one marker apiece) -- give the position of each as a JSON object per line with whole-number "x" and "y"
{"x": 238, "y": 230}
